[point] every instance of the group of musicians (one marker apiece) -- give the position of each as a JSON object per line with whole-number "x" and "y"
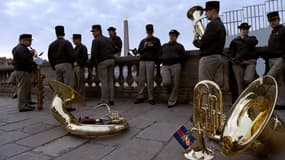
{"x": 69, "y": 63}
{"x": 241, "y": 52}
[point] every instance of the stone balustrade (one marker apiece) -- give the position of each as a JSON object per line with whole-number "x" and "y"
{"x": 126, "y": 78}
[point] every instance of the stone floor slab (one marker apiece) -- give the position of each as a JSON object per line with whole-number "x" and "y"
{"x": 43, "y": 137}
{"x": 9, "y": 150}
{"x": 88, "y": 151}
{"x": 7, "y": 137}
{"x": 136, "y": 149}
{"x": 30, "y": 156}
{"x": 159, "y": 132}
{"x": 60, "y": 146}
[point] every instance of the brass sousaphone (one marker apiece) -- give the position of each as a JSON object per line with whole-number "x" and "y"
{"x": 66, "y": 95}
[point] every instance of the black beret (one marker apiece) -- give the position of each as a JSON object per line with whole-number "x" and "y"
{"x": 111, "y": 29}
{"x": 23, "y": 36}
{"x": 149, "y": 28}
{"x": 76, "y": 36}
{"x": 96, "y": 26}
{"x": 59, "y": 30}
{"x": 212, "y": 5}
{"x": 174, "y": 31}
{"x": 272, "y": 14}
{"x": 244, "y": 26}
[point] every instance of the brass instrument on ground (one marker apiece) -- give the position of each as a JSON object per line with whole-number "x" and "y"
{"x": 194, "y": 14}
{"x": 207, "y": 116}
{"x": 252, "y": 123}
{"x": 65, "y": 95}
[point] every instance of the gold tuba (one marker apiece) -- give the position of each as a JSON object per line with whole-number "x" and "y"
{"x": 207, "y": 116}
{"x": 64, "y": 95}
{"x": 251, "y": 122}
{"x": 208, "y": 108}
{"x": 194, "y": 14}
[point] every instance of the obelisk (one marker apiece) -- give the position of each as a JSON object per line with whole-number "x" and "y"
{"x": 126, "y": 37}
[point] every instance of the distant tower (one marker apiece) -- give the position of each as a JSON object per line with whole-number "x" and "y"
{"x": 126, "y": 37}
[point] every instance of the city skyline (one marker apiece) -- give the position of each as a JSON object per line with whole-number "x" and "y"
{"x": 40, "y": 16}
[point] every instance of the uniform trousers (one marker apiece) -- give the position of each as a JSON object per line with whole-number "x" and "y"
{"x": 276, "y": 66}
{"x": 64, "y": 73}
{"x": 146, "y": 74}
{"x": 105, "y": 70}
{"x": 24, "y": 84}
{"x": 79, "y": 80}
{"x": 211, "y": 68}
{"x": 244, "y": 73}
{"x": 170, "y": 78}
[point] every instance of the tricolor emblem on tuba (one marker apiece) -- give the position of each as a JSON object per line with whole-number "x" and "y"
{"x": 113, "y": 123}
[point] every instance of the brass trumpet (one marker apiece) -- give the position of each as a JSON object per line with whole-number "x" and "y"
{"x": 64, "y": 95}
{"x": 194, "y": 14}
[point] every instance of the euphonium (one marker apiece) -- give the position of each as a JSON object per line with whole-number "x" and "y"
{"x": 195, "y": 13}
{"x": 252, "y": 123}
{"x": 65, "y": 95}
{"x": 208, "y": 108}
{"x": 207, "y": 116}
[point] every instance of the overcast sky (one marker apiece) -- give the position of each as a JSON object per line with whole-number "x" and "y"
{"x": 40, "y": 16}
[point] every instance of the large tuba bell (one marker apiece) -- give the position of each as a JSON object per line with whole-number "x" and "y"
{"x": 195, "y": 13}
{"x": 251, "y": 122}
{"x": 112, "y": 124}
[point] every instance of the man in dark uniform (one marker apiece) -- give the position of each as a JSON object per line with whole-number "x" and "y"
{"x": 61, "y": 58}
{"x": 23, "y": 65}
{"x": 80, "y": 64}
{"x": 102, "y": 56}
{"x": 172, "y": 55}
{"x": 276, "y": 55}
{"x": 211, "y": 45}
{"x": 116, "y": 40}
{"x": 242, "y": 51}
{"x": 149, "y": 49}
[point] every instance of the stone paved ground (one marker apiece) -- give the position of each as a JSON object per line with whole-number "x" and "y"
{"x": 37, "y": 136}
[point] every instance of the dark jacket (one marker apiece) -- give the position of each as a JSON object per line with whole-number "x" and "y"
{"x": 102, "y": 49}
{"x": 23, "y": 59}
{"x": 276, "y": 43}
{"x": 213, "y": 40}
{"x": 81, "y": 55}
{"x": 172, "y": 53}
{"x": 149, "y": 53}
{"x": 60, "y": 51}
{"x": 243, "y": 48}
{"x": 117, "y": 44}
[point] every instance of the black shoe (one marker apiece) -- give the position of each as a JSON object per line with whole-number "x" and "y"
{"x": 27, "y": 109}
{"x": 32, "y": 103}
{"x": 152, "y": 102}
{"x": 32, "y": 107}
{"x": 171, "y": 105}
{"x": 111, "y": 103}
{"x": 70, "y": 109}
{"x": 139, "y": 100}
{"x": 14, "y": 96}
